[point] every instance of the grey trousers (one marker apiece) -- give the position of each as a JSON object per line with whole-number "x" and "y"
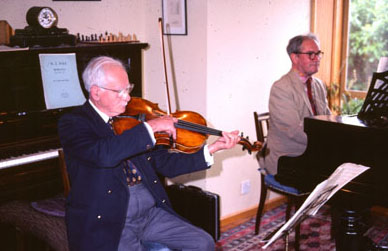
{"x": 147, "y": 223}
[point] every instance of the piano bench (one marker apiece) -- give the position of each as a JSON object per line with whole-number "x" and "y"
{"x": 28, "y": 221}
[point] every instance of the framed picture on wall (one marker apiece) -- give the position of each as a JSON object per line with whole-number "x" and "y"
{"x": 174, "y": 17}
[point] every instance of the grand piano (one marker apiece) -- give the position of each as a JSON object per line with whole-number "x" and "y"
{"x": 362, "y": 139}
{"x": 28, "y": 130}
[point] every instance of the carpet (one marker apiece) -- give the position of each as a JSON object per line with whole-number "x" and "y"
{"x": 314, "y": 233}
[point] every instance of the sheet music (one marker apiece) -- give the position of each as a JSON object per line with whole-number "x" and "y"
{"x": 383, "y": 64}
{"x": 61, "y": 85}
{"x": 319, "y": 196}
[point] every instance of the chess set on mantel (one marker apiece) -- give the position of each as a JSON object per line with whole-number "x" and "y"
{"x": 107, "y": 38}
{"x": 42, "y": 30}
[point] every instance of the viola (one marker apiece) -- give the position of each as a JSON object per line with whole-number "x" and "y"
{"x": 191, "y": 129}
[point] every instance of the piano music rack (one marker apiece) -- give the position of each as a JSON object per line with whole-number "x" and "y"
{"x": 374, "y": 111}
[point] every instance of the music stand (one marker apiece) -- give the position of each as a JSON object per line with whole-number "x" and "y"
{"x": 374, "y": 111}
{"x": 318, "y": 197}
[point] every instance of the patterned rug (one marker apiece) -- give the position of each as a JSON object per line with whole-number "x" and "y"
{"x": 314, "y": 233}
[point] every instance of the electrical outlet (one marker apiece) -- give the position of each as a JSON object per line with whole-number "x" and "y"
{"x": 245, "y": 186}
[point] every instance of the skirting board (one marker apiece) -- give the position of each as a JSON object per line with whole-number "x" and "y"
{"x": 236, "y": 219}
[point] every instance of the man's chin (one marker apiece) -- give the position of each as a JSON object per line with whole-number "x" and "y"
{"x": 313, "y": 71}
{"x": 122, "y": 110}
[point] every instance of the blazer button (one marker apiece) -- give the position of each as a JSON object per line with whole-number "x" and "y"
{"x": 99, "y": 217}
{"x": 149, "y": 158}
{"x": 109, "y": 191}
{"x": 155, "y": 181}
{"x": 163, "y": 201}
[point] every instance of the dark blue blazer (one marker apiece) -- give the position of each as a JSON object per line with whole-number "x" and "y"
{"x": 98, "y": 199}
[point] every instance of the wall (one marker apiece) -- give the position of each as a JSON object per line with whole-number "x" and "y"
{"x": 222, "y": 69}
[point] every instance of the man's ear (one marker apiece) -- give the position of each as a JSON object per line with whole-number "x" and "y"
{"x": 94, "y": 92}
{"x": 294, "y": 58}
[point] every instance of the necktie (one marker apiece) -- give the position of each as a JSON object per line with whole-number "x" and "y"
{"x": 310, "y": 95}
{"x": 130, "y": 170}
{"x": 110, "y": 122}
{"x": 133, "y": 176}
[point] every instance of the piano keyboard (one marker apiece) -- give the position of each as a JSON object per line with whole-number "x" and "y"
{"x": 28, "y": 158}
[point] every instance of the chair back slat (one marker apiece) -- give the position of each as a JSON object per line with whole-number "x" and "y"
{"x": 65, "y": 177}
{"x": 262, "y": 125}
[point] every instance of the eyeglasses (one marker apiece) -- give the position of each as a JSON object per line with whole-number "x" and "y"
{"x": 312, "y": 54}
{"x": 122, "y": 91}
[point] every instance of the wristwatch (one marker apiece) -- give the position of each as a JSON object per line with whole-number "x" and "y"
{"x": 42, "y": 17}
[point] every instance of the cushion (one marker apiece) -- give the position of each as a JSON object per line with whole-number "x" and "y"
{"x": 22, "y": 215}
{"x": 53, "y": 206}
{"x": 270, "y": 181}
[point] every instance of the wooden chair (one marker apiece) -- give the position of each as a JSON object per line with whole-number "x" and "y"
{"x": 65, "y": 176}
{"x": 268, "y": 182}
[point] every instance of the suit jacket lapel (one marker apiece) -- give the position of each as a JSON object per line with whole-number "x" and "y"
{"x": 96, "y": 119}
{"x": 299, "y": 86}
{"x": 104, "y": 130}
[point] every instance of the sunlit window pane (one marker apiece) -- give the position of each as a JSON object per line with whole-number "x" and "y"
{"x": 368, "y": 41}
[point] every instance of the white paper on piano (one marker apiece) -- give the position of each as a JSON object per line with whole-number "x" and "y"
{"x": 61, "y": 85}
{"x": 319, "y": 196}
{"x": 383, "y": 64}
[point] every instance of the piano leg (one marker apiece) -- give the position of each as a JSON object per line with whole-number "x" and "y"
{"x": 350, "y": 228}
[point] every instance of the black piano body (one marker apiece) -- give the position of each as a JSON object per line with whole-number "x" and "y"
{"x": 332, "y": 141}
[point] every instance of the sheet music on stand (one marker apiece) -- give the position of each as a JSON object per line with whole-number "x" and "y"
{"x": 319, "y": 196}
{"x": 374, "y": 111}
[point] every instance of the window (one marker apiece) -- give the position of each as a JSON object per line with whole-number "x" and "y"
{"x": 367, "y": 43}
{"x": 355, "y": 33}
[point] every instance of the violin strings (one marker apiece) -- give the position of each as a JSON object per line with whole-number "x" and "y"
{"x": 198, "y": 128}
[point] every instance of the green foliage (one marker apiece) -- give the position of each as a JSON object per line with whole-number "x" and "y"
{"x": 368, "y": 40}
{"x": 351, "y": 106}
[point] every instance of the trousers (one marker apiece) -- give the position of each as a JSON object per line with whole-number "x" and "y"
{"x": 147, "y": 223}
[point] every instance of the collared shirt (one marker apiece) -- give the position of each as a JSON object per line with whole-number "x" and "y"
{"x": 304, "y": 79}
{"x": 209, "y": 159}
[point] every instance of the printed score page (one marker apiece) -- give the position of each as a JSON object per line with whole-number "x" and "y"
{"x": 61, "y": 85}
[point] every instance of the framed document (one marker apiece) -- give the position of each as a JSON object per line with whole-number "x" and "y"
{"x": 174, "y": 17}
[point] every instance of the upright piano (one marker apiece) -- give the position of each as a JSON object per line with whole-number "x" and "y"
{"x": 28, "y": 130}
{"x": 362, "y": 139}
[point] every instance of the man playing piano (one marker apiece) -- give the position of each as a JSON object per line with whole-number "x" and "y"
{"x": 293, "y": 97}
{"x": 116, "y": 201}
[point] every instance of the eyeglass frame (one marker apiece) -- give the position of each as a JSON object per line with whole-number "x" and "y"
{"x": 121, "y": 92}
{"x": 312, "y": 54}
